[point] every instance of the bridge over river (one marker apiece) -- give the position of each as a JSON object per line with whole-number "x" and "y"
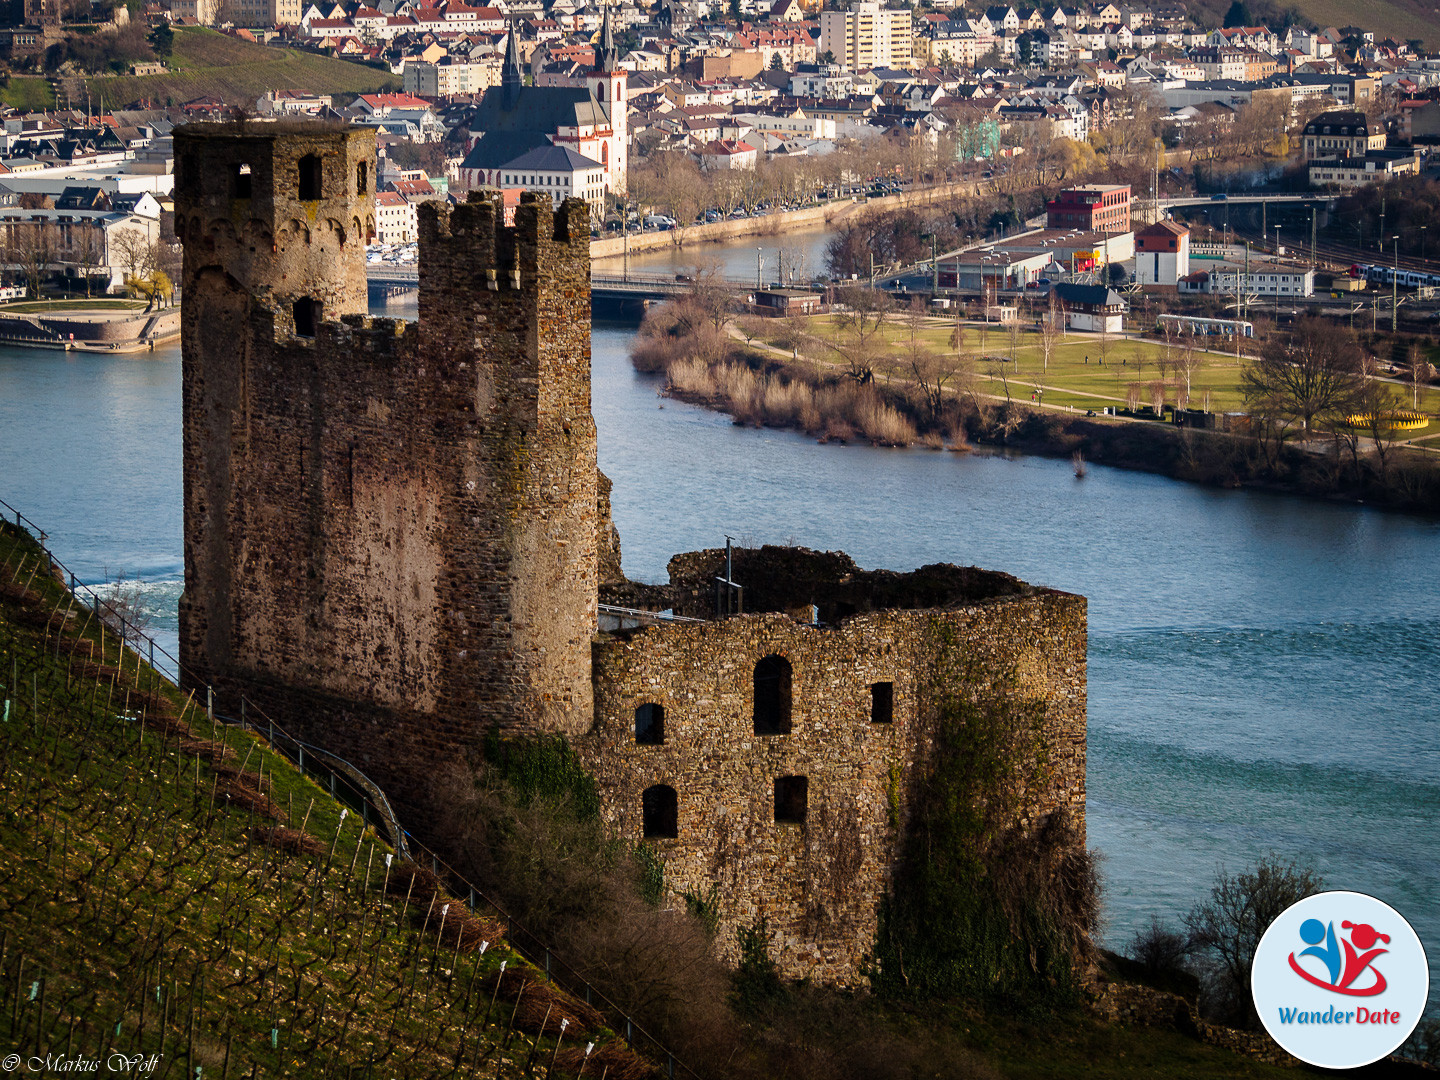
{"x": 637, "y": 288}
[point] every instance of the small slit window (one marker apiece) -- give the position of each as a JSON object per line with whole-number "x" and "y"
{"x": 882, "y": 702}
{"x": 307, "y": 316}
{"x": 240, "y": 182}
{"x": 650, "y": 724}
{"x": 659, "y": 811}
{"x": 791, "y": 799}
{"x": 362, "y": 178}
{"x": 772, "y": 696}
{"x": 309, "y": 177}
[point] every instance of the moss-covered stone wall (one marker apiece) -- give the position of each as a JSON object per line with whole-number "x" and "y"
{"x": 818, "y": 883}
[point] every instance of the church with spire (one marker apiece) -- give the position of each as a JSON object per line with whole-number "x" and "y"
{"x": 532, "y": 136}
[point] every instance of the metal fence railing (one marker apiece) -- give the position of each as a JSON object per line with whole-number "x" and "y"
{"x": 350, "y": 785}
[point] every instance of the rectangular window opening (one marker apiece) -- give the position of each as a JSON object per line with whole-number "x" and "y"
{"x": 882, "y": 702}
{"x": 791, "y": 799}
{"x": 240, "y": 182}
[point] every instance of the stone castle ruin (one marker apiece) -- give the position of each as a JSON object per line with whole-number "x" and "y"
{"x": 397, "y": 541}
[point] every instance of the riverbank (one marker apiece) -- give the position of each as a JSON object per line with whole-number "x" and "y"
{"x": 762, "y": 386}
{"x": 90, "y": 329}
{"x": 777, "y": 223}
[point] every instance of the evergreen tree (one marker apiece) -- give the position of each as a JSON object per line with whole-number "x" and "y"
{"x": 1238, "y": 15}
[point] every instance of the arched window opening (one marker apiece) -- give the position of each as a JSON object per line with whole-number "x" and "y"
{"x": 604, "y": 153}
{"x": 659, "y": 811}
{"x": 307, "y": 316}
{"x": 882, "y": 702}
{"x": 792, "y": 796}
{"x": 240, "y": 182}
{"x": 309, "y": 177}
{"x": 772, "y": 696}
{"x": 650, "y": 724}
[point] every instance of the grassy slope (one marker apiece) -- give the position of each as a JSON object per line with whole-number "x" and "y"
{"x": 143, "y": 906}
{"x": 28, "y": 93}
{"x": 138, "y": 893}
{"x": 209, "y": 63}
{"x": 1399, "y": 19}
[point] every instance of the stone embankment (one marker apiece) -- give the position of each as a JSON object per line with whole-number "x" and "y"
{"x": 92, "y": 331}
{"x": 773, "y": 224}
{"x": 1140, "y": 1006}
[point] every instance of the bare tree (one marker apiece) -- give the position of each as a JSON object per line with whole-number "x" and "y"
{"x": 860, "y": 325}
{"x": 1419, "y": 372}
{"x": 88, "y": 252}
{"x": 134, "y": 253}
{"x": 1313, "y": 372}
{"x": 32, "y": 248}
{"x": 1186, "y": 362}
{"x": 1052, "y": 329}
{"x": 1375, "y": 416}
{"x": 1226, "y": 928}
{"x": 1157, "y": 397}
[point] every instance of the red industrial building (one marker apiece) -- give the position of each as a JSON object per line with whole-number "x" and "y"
{"x": 1092, "y": 207}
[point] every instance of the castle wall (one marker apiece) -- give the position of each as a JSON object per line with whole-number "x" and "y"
{"x": 819, "y": 884}
{"x": 395, "y": 536}
{"x": 384, "y": 520}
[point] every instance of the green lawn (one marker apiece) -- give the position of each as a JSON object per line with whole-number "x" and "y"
{"x": 1075, "y": 376}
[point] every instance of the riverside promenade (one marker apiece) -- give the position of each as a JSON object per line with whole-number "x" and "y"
{"x": 87, "y": 326}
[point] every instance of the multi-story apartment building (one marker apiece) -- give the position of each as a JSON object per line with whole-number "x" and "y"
{"x": 1342, "y": 134}
{"x": 396, "y": 219}
{"x": 266, "y": 12}
{"x": 446, "y": 78}
{"x": 869, "y": 36}
{"x": 1101, "y": 208}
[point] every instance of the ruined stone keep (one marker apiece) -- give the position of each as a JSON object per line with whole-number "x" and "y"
{"x": 396, "y": 541}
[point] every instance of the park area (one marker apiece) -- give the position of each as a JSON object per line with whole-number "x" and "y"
{"x": 1083, "y": 372}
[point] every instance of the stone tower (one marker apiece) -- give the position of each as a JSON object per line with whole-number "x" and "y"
{"x": 391, "y": 529}
{"x": 274, "y": 224}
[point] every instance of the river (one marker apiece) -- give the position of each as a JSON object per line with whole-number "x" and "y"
{"x": 1261, "y": 667}
{"x": 799, "y": 253}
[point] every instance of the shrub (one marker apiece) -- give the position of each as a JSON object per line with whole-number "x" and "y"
{"x": 1226, "y": 928}
{"x": 1160, "y": 950}
{"x": 526, "y": 826}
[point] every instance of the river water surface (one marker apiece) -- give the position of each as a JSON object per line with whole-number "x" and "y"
{"x": 1262, "y": 669}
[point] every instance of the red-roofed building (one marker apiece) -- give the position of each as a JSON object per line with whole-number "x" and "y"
{"x": 1162, "y": 254}
{"x": 383, "y": 104}
{"x": 415, "y": 190}
{"x": 728, "y": 154}
{"x": 396, "y": 221}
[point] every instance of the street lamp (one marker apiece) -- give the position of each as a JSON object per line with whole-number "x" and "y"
{"x": 1394, "y": 281}
{"x": 759, "y": 269}
{"x": 1422, "y": 243}
{"x": 1278, "y": 275}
